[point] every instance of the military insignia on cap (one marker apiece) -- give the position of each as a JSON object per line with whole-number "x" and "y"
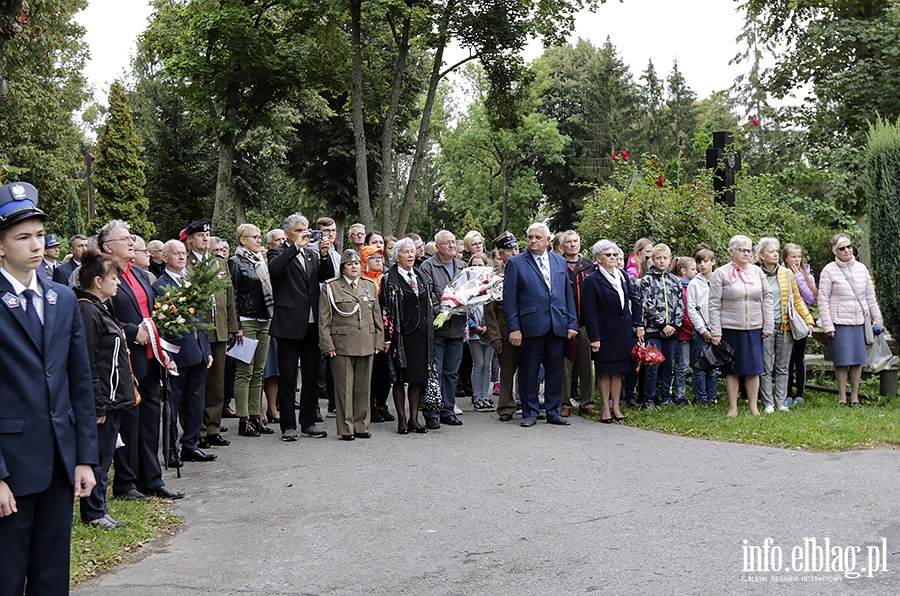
{"x": 51, "y": 297}
{"x": 18, "y": 192}
{"x": 11, "y": 300}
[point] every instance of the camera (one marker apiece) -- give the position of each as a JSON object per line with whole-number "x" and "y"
{"x": 315, "y": 235}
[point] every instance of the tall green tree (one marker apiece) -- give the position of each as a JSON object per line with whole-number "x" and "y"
{"x": 237, "y": 60}
{"x": 119, "y": 171}
{"x": 882, "y": 189}
{"x": 40, "y": 142}
{"x": 589, "y": 92}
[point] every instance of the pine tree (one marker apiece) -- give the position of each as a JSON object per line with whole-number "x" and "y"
{"x": 74, "y": 222}
{"x": 119, "y": 170}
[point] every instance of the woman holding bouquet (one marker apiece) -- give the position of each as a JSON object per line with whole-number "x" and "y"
{"x": 408, "y": 332}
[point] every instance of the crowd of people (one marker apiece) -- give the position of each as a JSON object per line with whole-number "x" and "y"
{"x": 353, "y": 326}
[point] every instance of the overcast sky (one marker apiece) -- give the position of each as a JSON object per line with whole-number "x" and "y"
{"x": 700, "y": 34}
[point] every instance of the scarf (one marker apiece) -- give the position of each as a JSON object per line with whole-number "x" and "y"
{"x": 262, "y": 272}
{"x": 738, "y": 271}
{"x": 365, "y": 253}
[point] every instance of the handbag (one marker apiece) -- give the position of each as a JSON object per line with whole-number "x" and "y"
{"x": 714, "y": 356}
{"x": 799, "y": 329}
{"x": 431, "y": 398}
{"x": 867, "y": 316}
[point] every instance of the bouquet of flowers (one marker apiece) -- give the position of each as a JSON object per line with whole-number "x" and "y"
{"x": 648, "y": 355}
{"x": 474, "y": 286}
{"x": 180, "y": 308}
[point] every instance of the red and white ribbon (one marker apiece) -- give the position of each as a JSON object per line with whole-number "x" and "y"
{"x": 159, "y": 346}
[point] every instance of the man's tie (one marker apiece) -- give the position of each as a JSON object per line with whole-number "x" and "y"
{"x": 413, "y": 283}
{"x": 34, "y": 321}
{"x": 545, "y": 269}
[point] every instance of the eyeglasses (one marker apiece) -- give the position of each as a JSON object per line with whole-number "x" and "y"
{"x": 843, "y": 248}
{"x": 357, "y": 233}
{"x": 609, "y": 255}
{"x": 744, "y": 250}
{"x": 125, "y": 239}
{"x": 447, "y": 243}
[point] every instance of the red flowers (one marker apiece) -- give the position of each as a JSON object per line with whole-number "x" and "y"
{"x": 623, "y": 154}
{"x": 755, "y": 121}
{"x": 660, "y": 181}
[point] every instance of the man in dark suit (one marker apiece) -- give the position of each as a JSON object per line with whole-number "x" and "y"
{"x": 63, "y": 271}
{"x": 223, "y": 317}
{"x": 540, "y": 312}
{"x": 296, "y": 272}
{"x": 138, "y": 473}
{"x": 48, "y": 429}
{"x": 193, "y": 359}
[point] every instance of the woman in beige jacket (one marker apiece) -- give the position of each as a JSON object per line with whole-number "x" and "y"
{"x": 741, "y": 313}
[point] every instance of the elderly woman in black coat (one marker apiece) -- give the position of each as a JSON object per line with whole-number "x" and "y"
{"x": 612, "y": 316}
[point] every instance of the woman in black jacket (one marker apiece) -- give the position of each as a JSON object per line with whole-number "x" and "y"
{"x": 408, "y": 333}
{"x": 254, "y": 305}
{"x": 114, "y": 387}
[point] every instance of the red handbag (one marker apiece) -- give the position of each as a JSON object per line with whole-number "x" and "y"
{"x": 648, "y": 355}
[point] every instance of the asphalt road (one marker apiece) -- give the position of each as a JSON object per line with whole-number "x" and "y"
{"x": 493, "y": 508}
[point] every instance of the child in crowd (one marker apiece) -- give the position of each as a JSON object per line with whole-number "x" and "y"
{"x": 685, "y": 270}
{"x": 663, "y": 301}
{"x": 806, "y": 283}
{"x": 480, "y": 348}
{"x": 703, "y": 384}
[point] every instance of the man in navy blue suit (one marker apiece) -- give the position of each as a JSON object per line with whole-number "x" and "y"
{"x": 193, "y": 359}
{"x": 48, "y": 429}
{"x": 540, "y": 311}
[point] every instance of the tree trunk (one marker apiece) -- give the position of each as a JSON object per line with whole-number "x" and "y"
{"x": 224, "y": 182}
{"x": 422, "y": 141}
{"x": 240, "y": 215}
{"x": 359, "y": 133}
{"x": 504, "y": 196}
{"x": 387, "y": 138}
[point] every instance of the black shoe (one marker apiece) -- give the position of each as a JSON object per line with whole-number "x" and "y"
{"x": 376, "y": 416}
{"x": 132, "y": 494}
{"x": 363, "y": 435}
{"x": 223, "y": 429}
{"x": 216, "y": 441}
{"x": 174, "y": 462}
{"x": 203, "y": 443}
{"x": 347, "y": 437}
{"x": 386, "y": 415}
{"x": 197, "y": 455}
{"x": 432, "y": 424}
{"x": 246, "y": 428}
{"x": 451, "y": 421}
{"x": 272, "y": 419}
{"x": 557, "y": 420}
{"x": 262, "y": 428}
{"x": 164, "y": 492}
{"x": 527, "y": 422}
{"x": 505, "y": 417}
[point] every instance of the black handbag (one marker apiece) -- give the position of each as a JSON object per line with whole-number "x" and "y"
{"x": 715, "y": 356}
{"x": 431, "y": 398}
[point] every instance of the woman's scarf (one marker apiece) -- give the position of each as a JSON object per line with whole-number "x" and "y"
{"x": 364, "y": 254}
{"x": 738, "y": 271}
{"x": 262, "y": 272}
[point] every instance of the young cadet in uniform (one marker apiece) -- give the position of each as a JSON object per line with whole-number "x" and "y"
{"x": 48, "y": 431}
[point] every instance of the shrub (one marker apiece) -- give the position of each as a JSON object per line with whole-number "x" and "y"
{"x": 882, "y": 187}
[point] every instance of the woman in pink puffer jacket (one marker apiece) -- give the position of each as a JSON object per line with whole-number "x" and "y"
{"x": 846, "y": 295}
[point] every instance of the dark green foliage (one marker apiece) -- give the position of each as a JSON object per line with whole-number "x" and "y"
{"x": 882, "y": 190}
{"x": 119, "y": 171}
{"x": 74, "y": 221}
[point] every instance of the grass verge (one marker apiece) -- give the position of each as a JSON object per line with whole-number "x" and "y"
{"x": 95, "y": 549}
{"x": 817, "y": 425}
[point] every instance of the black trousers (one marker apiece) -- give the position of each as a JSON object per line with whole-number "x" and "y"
{"x": 36, "y": 540}
{"x": 305, "y": 350}
{"x": 137, "y": 463}
{"x": 94, "y": 506}
{"x": 797, "y": 368}
{"x": 187, "y": 402}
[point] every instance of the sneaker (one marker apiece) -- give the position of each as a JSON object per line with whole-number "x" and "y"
{"x": 798, "y": 401}
{"x": 457, "y": 411}
{"x": 648, "y": 405}
{"x": 314, "y": 431}
{"x": 496, "y": 390}
{"x": 518, "y": 410}
{"x": 331, "y": 413}
{"x": 289, "y": 435}
{"x": 783, "y": 409}
{"x": 788, "y": 401}
{"x": 770, "y": 409}
{"x": 484, "y": 405}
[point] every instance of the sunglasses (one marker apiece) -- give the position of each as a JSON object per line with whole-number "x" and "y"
{"x": 843, "y": 248}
